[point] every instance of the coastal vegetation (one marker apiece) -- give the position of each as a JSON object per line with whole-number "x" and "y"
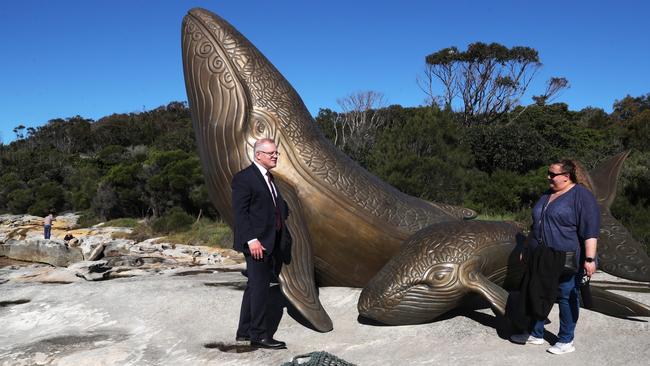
{"x": 145, "y": 165}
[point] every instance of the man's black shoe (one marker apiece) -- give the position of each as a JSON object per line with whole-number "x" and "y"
{"x": 242, "y": 339}
{"x": 269, "y": 343}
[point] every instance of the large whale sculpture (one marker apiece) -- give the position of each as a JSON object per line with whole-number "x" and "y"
{"x": 346, "y": 223}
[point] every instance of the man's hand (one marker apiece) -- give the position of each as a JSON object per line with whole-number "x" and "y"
{"x": 256, "y": 249}
{"x": 590, "y": 268}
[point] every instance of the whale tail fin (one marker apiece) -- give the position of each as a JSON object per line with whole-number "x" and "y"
{"x": 619, "y": 253}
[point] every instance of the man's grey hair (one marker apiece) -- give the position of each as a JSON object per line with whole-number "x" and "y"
{"x": 259, "y": 143}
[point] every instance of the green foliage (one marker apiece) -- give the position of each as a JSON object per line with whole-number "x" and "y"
{"x": 174, "y": 220}
{"x": 123, "y": 222}
{"x": 637, "y": 131}
{"x": 9, "y": 182}
{"x": 141, "y": 232}
{"x": 487, "y": 79}
{"x": 145, "y": 165}
{"x": 421, "y": 154}
{"x": 46, "y": 196}
{"x": 204, "y": 232}
{"x": 326, "y": 119}
{"x": 504, "y": 192}
{"x": 507, "y": 147}
{"x": 87, "y": 219}
{"x": 19, "y": 200}
{"x": 629, "y": 107}
{"x": 632, "y": 204}
{"x": 82, "y": 181}
{"x": 555, "y": 133}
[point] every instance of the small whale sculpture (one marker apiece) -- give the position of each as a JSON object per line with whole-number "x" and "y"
{"x": 440, "y": 265}
{"x": 346, "y": 224}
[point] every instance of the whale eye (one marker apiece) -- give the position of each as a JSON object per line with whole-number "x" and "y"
{"x": 262, "y": 125}
{"x": 440, "y": 275}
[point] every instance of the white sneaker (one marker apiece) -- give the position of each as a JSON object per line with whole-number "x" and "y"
{"x": 525, "y": 338}
{"x": 561, "y": 348}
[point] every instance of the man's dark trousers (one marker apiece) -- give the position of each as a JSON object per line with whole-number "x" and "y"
{"x": 253, "y": 316}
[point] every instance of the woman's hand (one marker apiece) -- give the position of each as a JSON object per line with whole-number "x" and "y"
{"x": 590, "y": 268}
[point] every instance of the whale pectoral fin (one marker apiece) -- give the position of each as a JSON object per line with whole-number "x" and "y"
{"x": 493, "y": 293}
{"x": 612, "y": 304}
{"x": 619, "y": 253}
{"x": 297, "y": 277}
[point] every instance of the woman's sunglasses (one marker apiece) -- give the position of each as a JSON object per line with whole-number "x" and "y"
{"x": 553, "y": 175}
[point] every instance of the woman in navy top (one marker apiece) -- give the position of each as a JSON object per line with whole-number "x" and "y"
{"x": 566, "y": 218}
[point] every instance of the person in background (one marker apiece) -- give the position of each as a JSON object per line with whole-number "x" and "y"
{"x": 47, "y": 225}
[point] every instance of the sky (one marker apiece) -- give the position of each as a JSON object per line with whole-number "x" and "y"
{"x": 94, "y": 58}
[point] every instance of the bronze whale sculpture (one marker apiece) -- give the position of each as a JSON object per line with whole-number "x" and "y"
{"x": 441, "y": 265}
{"x": 346, "y": 223}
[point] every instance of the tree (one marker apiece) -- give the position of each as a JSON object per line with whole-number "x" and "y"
{"x": 637, "y": 133}
{"x": 445, "y": 72}
{"x": 20, "y": 200}
{"x": 421, "y": 154}
{"x": 629, "y": 107}
{"x": 488, "y": 79}
{"x": 507, "y": 147}
{"x": 356, "y": 126}
{"x": 553, "y": 87}
{"x": 19, "y": 131}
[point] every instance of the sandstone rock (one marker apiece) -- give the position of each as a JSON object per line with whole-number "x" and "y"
{"x": 66, "y": 221}
{"x": 92, "y": 246}
{"x": 53, "y": 252}
{"x": 125, "y": 272}
{"x": 74, "y": 242}
{"x": 88, "y": 266}
{"x": 119, "y": 247}
{"x": 57, "y": 275}
{"x": 20, "y": 220}
{"x": 182, "y": 320}
{"x": 182, "y": 253}
{"x": 91, "y": 270}
{"x": 25, "y": 227}
{"x": 137, "y": 261}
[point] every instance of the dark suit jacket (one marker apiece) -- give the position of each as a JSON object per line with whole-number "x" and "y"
{"x": 255, "y": 213}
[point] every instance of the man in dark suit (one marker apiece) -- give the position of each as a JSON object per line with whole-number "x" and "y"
{"x": 260, "y": 214}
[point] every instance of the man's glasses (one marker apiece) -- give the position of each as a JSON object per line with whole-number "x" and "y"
{"x": 553, "y": 175}
{"x": 270, "y": 153}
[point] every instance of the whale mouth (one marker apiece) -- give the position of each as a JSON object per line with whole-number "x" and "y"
{"x": 414, "y": 305}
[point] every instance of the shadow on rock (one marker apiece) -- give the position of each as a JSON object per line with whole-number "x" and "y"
{"x": 64, "y": 344}
{"x": 13, "y": 302}
{"x": 231, "y": 348}
{"x": 236, "y": 285}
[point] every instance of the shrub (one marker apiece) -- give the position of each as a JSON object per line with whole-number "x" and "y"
{"x": 204, "y": 232}
{"x": 123, "y": 222}
{"x": 88, "y": 219}
{"x": 174, "y": 220}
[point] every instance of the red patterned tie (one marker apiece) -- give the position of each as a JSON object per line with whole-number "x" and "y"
{"x": 278, "y": 221}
